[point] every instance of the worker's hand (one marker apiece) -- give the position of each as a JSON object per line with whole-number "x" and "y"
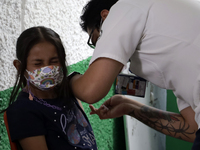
{"x": 114, "y": 107}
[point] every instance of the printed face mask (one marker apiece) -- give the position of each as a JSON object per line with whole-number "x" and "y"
{"x": 46, "y": 78}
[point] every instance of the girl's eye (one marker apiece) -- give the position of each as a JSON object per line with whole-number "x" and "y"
{"x": 54, "y": 62}
{"x": 37, "y": 64}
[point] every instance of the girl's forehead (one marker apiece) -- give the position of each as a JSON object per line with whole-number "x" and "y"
{"x": 43, "y": 49}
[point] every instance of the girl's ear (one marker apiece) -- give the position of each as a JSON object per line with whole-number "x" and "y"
{"x": 17, "y": 64}
{"x": 104, "y": 14}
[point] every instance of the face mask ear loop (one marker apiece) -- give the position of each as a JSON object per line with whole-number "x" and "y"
{"x": 29, "y": 91}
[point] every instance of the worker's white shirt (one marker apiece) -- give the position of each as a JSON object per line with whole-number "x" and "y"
{"x": 162, "y": 40}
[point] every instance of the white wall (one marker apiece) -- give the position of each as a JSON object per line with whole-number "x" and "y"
{"x": 60, "y": 15}
{"x": 139, "y": 136}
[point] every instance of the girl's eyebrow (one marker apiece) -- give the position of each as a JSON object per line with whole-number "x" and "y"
{"x": 37, "y": 60}
{"x": 42, "y": 59}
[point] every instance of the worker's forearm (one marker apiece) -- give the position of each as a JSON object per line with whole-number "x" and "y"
{"x": 168, "y": 123}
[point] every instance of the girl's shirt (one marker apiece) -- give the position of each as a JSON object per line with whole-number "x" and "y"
{"x": 64, "y": 127}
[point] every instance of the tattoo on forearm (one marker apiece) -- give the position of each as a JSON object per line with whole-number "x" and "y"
{"x": 154, "y": 118}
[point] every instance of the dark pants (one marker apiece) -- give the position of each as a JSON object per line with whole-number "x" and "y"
{"x": 196, "y": 145}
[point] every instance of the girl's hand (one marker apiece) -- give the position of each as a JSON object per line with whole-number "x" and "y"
{"x": 114, "y": 107}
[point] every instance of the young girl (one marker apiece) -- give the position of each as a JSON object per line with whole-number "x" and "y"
{"x": 46, "y": 115}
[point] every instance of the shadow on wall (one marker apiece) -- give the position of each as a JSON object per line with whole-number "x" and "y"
{"x": 119, "y": 134}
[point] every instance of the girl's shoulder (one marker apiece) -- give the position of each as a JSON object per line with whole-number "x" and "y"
{"x": 22, "y": 103}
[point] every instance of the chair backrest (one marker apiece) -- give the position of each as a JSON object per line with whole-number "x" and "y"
{"x": 13, "y": 145}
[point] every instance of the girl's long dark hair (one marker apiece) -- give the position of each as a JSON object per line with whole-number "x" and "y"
{"x": 25, "y": 42}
